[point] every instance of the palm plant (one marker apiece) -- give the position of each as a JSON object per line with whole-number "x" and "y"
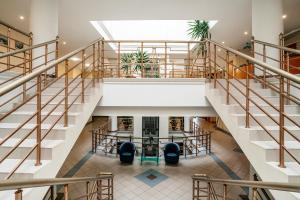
{"x": 199, "y": 30}
{"x": 140, "y": 59}
{"x": 127, "y": 59}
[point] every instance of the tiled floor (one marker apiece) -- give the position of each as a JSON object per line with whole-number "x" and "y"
{"x": 225, "y": 162}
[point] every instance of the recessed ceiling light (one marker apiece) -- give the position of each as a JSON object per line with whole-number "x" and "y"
{"x": 22, "y": 17}
{"x": 64, "y": 42}
{"x": 284, "y": 16}
{"x": 223, "y": 42}
{"x": 75, "y": 59}
{"x": 245, "y": 33}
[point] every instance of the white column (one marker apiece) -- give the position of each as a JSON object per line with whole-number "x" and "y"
{"x": 267, "y": 24}
{"x": 43, "y": 25}
{"x": 187, "y": 124}
{"x": 163, "y": 126}
{"x": 114, "y": 123}
{"x": 137, "y": 126}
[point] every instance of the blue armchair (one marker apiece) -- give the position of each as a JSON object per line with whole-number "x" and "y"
{"x": 171, "y": 153}
{"x": 127, "y": 150}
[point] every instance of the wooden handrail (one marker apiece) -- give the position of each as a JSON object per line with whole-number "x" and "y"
{"x": 251, "y": 184}
{"x": 20, "y": 184}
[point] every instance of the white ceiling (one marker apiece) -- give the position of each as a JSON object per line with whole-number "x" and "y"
{"x": 233, "y": 16}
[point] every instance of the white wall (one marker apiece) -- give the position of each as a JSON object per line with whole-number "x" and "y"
{"x": 157, "y": 92}
{"x": 267, "y": 24}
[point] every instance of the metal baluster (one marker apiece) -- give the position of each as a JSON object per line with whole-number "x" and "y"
{"x": 56, "y": 55}
{"x": 66, "y": 192}
{"x": 227, "y": 77}
{"x": 38, "y": 119}
{"x": 82, "y": 75}
{"x": 87, "y": 190}
{"x": 247, "y": 97}
{"x": 94, "y": 64}
{"x": 18, "y": 194}
{"x": 224, "y": 192}
{"x": 66, "y": 92}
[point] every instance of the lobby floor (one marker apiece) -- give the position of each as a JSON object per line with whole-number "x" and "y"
{"x": 170, "y": 182}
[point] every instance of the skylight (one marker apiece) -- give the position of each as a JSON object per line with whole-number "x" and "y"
{"x": 144, "y": 29}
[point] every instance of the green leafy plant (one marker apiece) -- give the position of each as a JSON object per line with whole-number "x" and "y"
{"x": 140, "y": 59}
{"x": 127, "y": 60}
{"x": 199, "y": 30}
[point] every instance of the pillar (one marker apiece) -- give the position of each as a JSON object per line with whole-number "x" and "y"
{"x": 114, "y": 123}
{"x": 43, "y": 23}
{"x": 267, "y": 24}
{"x": 187, "y": 124}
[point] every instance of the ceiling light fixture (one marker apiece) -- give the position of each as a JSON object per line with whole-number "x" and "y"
{"x": 223, "y": 42}
{"x": 75, "y": 59}
{"x": 245, "y": 33}
{"x": 64, "y": 42}
{"x": 284, "y": 16}
{"x": 22, "y": 17}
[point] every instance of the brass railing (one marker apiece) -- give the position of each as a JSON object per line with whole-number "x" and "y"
{"x": 153, "y": 59}
{"x": 241, "y": 91}
{"x": 99, "y": 187}
{"x": 58, "y": 95}
{"x": 199, "y": 141}
{"x": 205, "y": 187}
{"x": 27, "y": 60}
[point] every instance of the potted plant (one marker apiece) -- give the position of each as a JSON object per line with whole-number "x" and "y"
{"x": 127, "y": 59}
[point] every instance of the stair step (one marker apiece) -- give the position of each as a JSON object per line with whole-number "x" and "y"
{"x": 21, "y": 116}
{"x": 271, "y": 149}
{"x": 25, "y": 171}
{"x": 291, "y": 169}
{"x": 266, "y": 120}
{"x": 76, "y": 107}
{"x": 257, "y": 133}
{"x": 57, "y": 132}
{"x": 47, "y": 147}
{"x": 290, "y": 109}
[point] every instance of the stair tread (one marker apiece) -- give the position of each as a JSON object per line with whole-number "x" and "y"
{"x": 30, "y": 126}
{"x": 28, "y": 166}
{"x": 271, "y": 128}
{"x": 291, "y": 168}
{"x": 43, "y": 113}
{"x": 262, "y": 114}
{"x": 31, "y": 143}
{"x": 274, "y": 145}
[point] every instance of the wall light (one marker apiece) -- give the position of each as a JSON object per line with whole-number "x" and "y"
{"x": 64, "y": 42}
{"x": 22, "y": 17}
{"x": 245, "y": 33}
{"x": 284, "y": 16}
{"x": 223, "y": 42}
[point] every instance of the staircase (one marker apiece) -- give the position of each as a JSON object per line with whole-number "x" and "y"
{"x": 37, "y": 132}
{"x": 269, "y": 138}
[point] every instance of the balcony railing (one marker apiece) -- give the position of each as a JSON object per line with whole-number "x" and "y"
{"x": 99, "y": 187}
{"x": 205, "y": 187}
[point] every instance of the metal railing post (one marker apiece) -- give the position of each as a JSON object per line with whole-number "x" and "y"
{"x": 18, "y": 194}
{"x": 224, "y": 192}
{"x": 227, "y": 77}
{"x": 98, "y": 61}
{"x": 30, "y": 52}
{"x": 189, "y": 61}
{"x": 94, "y": 64}
{"x": 165, "y": 57}
{"x": 142, "y": 54}
{"x": 38, "y": 119}
{"x": 288, "y": 84}
{"x": 82, "y": 75}
{"x": 281, "y": 122}
{"x": 102, "y": 59}
{"x": 264, "y": 69}
{"x": 24, "y": 73}
{"x": 247, "y": 97}
{"x": 254, "y": 193}
{"x": 66, "y": 192}
{"x": 119, "y": 60}
{"x": 8, "y": 48}
{"x": 66, "y": 93}
{"x": 56, "y": 55}
{"x": 215, "y": 66}
{"x": 45, "y": 62}
{"x": 209, "y": 64}
{"x": 87, "y": 190}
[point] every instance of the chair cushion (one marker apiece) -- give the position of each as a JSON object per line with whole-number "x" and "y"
{"x": 171, "y": 154}
{"x": 126, "y": 154}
